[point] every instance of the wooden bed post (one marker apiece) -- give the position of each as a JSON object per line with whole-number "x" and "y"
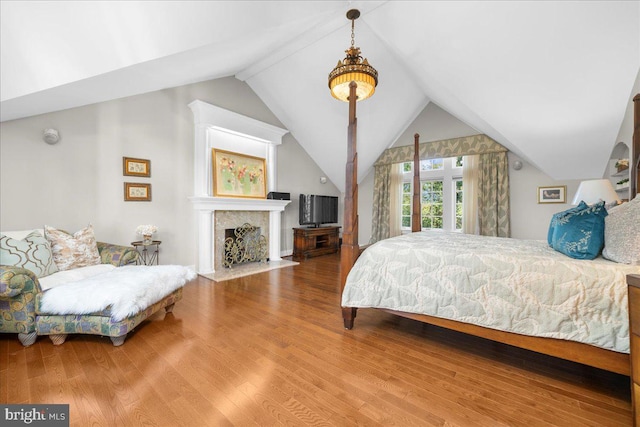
{"x": 634, "y": 182}
{"x": 350, "y": 248}
{"x": 416, "y": 220}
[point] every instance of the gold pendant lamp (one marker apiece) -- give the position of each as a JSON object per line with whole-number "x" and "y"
{"x": 353, "y": 68}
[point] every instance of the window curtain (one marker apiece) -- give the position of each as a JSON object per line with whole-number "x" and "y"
{"x": 493, "y": 195}
{"x": 381, "y": 203}
{"x": 470, "y": 166}
{"x": 395, "y": 201}
{"x": 468, "y": 145}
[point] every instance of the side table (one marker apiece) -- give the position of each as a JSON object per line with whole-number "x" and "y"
{"x": 148, "y": 252}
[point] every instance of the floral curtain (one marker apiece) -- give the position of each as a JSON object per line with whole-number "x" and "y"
{"x": 395, "y": 201}
{"x": 469, "y": 145}
{"x": 381, "y": 203}
{"x": 493, "y": 195}
{"x": 470, "y": 174}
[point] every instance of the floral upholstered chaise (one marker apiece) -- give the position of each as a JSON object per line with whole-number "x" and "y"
{"x": 41, "y": 293}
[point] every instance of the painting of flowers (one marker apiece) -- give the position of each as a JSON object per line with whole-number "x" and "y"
{"x": 238, "y": 175}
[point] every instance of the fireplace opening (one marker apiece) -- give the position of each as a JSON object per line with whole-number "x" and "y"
{"x": 244, "y": 244}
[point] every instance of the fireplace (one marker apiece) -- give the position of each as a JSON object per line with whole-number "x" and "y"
{"x": 231, "y": 220}
{"x": 242, "y": 245}
{"x": 222, "y": 129}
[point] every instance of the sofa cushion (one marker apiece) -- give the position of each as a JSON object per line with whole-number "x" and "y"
{"x": 69, "y": 276}
{"x": 73, "y": 251}
{"x": 622, "y": 233}
{"x": 33, "y": 253}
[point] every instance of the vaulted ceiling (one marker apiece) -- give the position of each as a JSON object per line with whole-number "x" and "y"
{"x": 549, "y": 80}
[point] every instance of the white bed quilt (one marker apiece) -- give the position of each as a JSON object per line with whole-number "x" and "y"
{"x": 513, "y": 285}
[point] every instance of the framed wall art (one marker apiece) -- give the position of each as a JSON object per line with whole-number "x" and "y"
{"x": 136, "y": 167}
{"x": 557, "y": 194}
{"x": 238, "y": 175}
{"x": 137, "y": 192}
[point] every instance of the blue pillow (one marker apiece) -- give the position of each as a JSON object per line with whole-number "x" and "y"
{"x": 556, "y": 217}
{"x": 580, "y": 234}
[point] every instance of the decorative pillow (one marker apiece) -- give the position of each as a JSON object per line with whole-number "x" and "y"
{"x": 622, "y": 233}
{"x": 556, "y": 217}
{"x": 33, "y": 253}
{"x": 580, "y": 234}
{"x": 73, "y": 251}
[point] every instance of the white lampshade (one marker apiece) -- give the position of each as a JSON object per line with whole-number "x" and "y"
{"x": 595, "y": 190}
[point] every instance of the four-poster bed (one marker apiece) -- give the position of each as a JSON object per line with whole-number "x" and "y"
{"x": 588, "y": 354}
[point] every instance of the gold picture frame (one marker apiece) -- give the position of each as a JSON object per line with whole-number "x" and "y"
{"x": 553, "y": 194}
{"x": 238, "y": 175}
{"x": 136, "y": 167}
{"x": 137, "y": 192}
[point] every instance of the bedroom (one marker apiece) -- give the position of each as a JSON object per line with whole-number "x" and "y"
{"x": 158, "y": 126}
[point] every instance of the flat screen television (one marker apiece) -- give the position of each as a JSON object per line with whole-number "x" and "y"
{"x": 316, "y": 210}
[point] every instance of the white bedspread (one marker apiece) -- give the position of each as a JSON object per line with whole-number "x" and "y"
{"x": 520, "y": 286}
{"x": 126, "y": 290}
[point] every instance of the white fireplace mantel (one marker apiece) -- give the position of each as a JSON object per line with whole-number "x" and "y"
{"x": 206, "y": 207}
{"x": 222, "y": 129}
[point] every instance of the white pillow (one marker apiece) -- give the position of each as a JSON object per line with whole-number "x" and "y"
{"x": 20, "y": 235}
{"x": 33, "y": 253}
{"x": 622, "y": 233}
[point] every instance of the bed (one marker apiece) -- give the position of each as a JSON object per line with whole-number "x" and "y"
{"x": 517, "y": 292}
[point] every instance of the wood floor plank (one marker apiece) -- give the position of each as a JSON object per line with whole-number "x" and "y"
{"x": 270, "y": 349}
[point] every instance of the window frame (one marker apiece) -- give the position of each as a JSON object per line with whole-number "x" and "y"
{"x": 449, "y": 174}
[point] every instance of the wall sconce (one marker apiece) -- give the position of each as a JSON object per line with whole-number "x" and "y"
{"x": 517, "y": 165}
{"x": 51, "y": 136}
{"x": 323, "y": 180}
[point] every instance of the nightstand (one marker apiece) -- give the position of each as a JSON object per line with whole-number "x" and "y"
{"x": 148, "y": 252}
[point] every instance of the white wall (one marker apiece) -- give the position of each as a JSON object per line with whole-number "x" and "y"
{"x": 297, "y": 174}
{"x": 79, "y": 180}
{"x": 530, "y": 220}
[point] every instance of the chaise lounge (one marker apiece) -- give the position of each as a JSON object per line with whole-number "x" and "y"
{"x": 34, "y": 301}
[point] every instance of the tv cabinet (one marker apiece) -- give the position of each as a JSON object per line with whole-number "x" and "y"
{"x": 312, "y": 242}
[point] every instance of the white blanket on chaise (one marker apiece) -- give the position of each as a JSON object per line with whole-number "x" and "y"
{"x": 126, "y": 290}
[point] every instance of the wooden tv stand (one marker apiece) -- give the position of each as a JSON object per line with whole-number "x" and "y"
{"x": 311, "y": 242}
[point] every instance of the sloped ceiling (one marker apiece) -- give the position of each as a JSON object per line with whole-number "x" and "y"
{"x": 549, "y": 80}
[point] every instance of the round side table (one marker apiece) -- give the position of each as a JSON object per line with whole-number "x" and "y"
{"x": 148, "y": 252}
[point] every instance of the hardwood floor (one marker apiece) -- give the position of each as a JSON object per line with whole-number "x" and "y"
{"x": 270, "y": 349}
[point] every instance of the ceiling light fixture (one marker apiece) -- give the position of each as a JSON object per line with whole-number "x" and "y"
{"x": 353, "y": 68}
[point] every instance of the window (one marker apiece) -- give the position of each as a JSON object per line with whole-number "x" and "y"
{"x": 441, "y": 192}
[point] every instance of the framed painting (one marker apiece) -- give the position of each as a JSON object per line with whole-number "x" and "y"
{"x": 137, "y": 192}
{"x": 136, "y": 167}
{"x": 238, "y": 175}
{"x": 557, "y": 194}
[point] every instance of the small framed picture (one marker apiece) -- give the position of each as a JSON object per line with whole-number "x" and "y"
{"x": 137, "y": 192}
{"x": 136, "y": 167}
{"x": 557, "y": 194}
